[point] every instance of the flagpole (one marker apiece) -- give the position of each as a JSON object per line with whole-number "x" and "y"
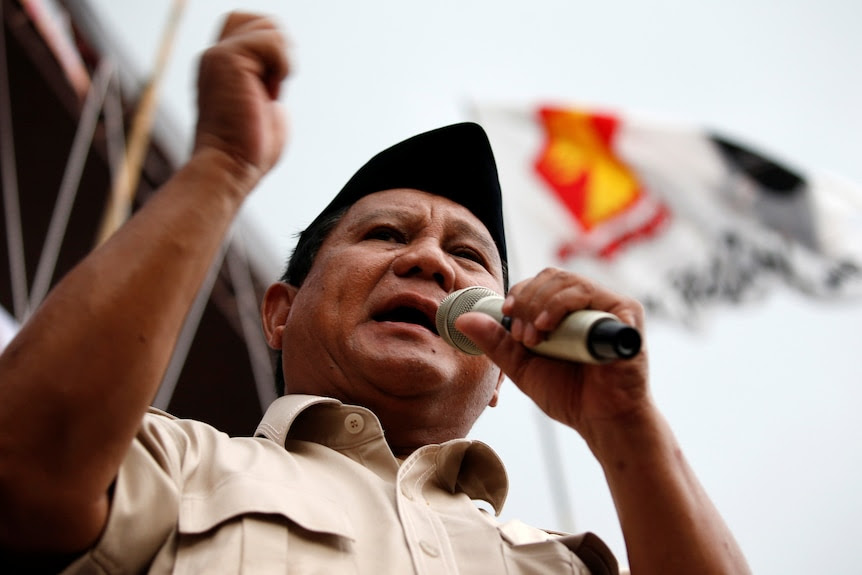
{"x": 549, "y": 441}
{"x": 119, "y": 205}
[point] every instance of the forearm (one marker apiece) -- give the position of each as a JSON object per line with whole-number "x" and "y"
{"x": 84, "y": 368}
{"x": 669, "y": 522}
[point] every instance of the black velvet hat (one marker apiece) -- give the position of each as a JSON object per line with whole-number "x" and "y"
{"x": 455, "y": 162}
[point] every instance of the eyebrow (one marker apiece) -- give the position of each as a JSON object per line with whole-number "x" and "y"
{"x": 376, "y": 214}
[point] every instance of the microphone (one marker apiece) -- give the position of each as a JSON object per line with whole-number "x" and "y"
{"x": 585, "y": 336}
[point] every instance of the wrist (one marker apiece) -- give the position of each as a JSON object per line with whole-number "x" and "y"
{"x": 639, "y": 435}
{"x": 234, "y": 175}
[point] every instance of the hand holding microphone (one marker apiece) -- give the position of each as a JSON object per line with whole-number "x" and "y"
{"x": 585, "y": 336}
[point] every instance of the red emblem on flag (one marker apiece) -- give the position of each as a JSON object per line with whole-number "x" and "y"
{"x": 611, "y": 207}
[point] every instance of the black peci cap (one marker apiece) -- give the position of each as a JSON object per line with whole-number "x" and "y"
{"x": 455, "y": 162}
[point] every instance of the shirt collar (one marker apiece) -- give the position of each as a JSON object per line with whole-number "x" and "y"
{"x": 474, "y": 468}
{"x": 281, "y": 414}
{"x": 461, "y": 464}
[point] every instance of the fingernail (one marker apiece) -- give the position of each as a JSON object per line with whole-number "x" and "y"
{"x": 542, "y": 319}
{"x": 508, "y": 303}
{"x": 531, "y": 335}
{"x": 517, "y": 330}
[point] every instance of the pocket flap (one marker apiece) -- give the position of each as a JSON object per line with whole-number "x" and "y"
{"x": 247, "y": 495}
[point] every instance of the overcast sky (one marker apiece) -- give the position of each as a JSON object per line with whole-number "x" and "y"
{"x": 764, "y": 398}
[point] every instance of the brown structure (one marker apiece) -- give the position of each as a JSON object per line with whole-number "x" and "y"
{"x": 49, "y": 93}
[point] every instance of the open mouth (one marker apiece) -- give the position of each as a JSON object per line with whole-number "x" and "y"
{"x": 406, "y": 314}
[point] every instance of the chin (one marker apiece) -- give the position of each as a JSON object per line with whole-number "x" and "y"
{"x": 418, "y": 364}
{"x": 405, "y": 359}
{"x": 411, "y": 371}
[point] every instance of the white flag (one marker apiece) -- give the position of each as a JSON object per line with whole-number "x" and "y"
{"x": 675, "y": 216}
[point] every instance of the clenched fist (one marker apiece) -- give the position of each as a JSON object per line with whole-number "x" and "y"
{"x": 238, "y": 87}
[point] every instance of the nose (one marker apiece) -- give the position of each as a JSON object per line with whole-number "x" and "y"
{"x": 425, "y": 259}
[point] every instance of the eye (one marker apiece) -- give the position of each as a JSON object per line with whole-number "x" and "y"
{"x": 385, "y": 234}
{"x": 469, "y": 254}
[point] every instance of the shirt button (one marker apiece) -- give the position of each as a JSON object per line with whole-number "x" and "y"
{"x": 354, "y": 423}
{"x": 429, "y": 549}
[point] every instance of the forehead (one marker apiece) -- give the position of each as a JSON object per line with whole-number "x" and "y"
{"x": 415, "y": 204}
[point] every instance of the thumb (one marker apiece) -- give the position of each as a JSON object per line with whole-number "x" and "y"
{"x": 481, "y": 328}
{"x": 493, "y": 339}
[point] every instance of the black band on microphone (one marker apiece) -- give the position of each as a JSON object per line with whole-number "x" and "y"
{"x": 612, "y": 339}
{"x": 608, "y": 339}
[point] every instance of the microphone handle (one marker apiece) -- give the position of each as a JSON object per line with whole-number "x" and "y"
{"x": 585, "y": 336}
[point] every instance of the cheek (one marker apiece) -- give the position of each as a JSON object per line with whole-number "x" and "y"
{"x": 307, "y": 312}
{"x": 481, "y": 391}
{"x": 349, "y": 271}
{"x": 481, "y": 372}
{"x": 329, "y": 301}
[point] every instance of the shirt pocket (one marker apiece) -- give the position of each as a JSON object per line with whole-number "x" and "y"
{"x": 542, "y": 557}
{"x": 249, "y": 525}
{"x": 528, "y": 550}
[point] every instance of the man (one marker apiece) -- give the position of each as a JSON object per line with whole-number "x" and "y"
{"x": 321, "y": 489}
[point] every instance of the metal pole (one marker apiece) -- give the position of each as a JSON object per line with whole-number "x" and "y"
{"x": 12, "y": 209}
{"x": 249, "y": 316}
{"x": 119, "y": 204}
{"x": 69, "y": 185}
{"x": 187, "y": 335}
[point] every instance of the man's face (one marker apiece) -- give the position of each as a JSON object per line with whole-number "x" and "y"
{"x": 361, "y": 327}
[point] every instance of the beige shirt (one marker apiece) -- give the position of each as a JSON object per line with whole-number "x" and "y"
{"x": 317, "y": 491}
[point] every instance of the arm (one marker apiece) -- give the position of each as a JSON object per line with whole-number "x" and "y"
{"x": 668, "y": 521}
{"x": 82, "y": 371}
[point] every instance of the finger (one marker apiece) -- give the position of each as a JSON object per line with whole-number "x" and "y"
{"x": 265, "y": 54}
{"x": 492, "y": 338}
{"x": 261, "y": 35}
{"x": 538, "y": 305}
{"x": 529, "y": 298}
{"x": 517, "y": 306}
{"x": 235, "y": 21}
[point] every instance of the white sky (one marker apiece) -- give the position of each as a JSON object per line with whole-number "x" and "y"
{"x": 764, "y": 398}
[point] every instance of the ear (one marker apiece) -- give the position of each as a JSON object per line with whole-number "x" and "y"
{"x": 274, "y": 311}
{"x": 496, "y": 396}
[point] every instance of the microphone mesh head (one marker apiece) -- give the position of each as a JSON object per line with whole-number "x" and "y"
{"x": 451, "y": 308}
